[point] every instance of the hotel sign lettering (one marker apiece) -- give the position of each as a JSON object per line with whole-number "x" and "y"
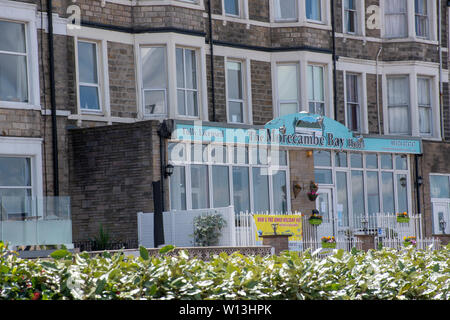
{"x": 296, "y": 130}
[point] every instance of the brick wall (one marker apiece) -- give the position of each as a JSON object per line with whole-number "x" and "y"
{"x": 301, "y": 172}
{"x": 111, "y": 174}
{"x": 262, "y": 103}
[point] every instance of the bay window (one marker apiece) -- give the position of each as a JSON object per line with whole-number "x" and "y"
{"x": 288, "y": 88}
{"x": 398, "y": 105}
{"x": 187, "y": 89}
{"x": 396, "y": 19}
{"x": 421, "y": 18}
{"x": 285, "y": 10}
{"x": 316, "y": 97}
{"x": 424, "y": 104}
{"x": 13, "y": 62}
{"x": 154, "y": 80}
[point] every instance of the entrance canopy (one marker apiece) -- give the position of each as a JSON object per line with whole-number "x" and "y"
{"x": 298, "y": 130}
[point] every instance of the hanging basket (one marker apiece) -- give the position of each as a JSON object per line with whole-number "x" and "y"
{"x": 329, "y": 245}
{"x": 315, "y": 221}
{"x": 403, "y": 219}
{"x": 312, "y": 196}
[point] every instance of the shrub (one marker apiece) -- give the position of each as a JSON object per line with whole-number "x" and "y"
{"x": 207, "y": 229}
{"x": 376, "y": 274}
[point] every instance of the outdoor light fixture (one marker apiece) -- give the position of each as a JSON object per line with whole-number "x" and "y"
{"x": 168, "y": 170}
{"x": 403, "y": 181}
{"x": 442, "y": 224}
{"x": 309, "y": 153}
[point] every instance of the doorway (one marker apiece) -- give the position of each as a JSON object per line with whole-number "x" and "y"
{"x": 325, "y": 206}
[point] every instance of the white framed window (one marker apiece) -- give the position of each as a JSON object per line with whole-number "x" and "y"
{"x": 13, "y": 62}
{"x": 236, "y": 104}
{"x": 288, "y": 88}
{"x": 425, "y": 107}
{"x": 316, "y": 96}
{"x": 187, "y": 82}
{"x": 399, "y": 114}
{"x": 249, "y": 178}
{"x": 350, "y": 17}
{"x": 285, "y": 10}
{"x": 89, "y": 76}
{"x": 154, "y": 80}
{"x": 396, "y": 18}
{"x": 232, "y": 7}
{"x": 421, "y": 18}
{"x": 353, "y": 101}
{"x": 314, "y": 10}
{"x": 440, "y": 201}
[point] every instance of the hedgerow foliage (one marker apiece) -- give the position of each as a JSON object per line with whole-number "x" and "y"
{"x": 376, "y": 274}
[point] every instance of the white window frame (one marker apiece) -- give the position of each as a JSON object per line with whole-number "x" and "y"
{"x": 360, "y": 89}
{"x": 275, "y": 19}
{"x": 429, "y": 107}
{"x": 245, "y": 88}
{"x": 25, "y": 13}
{"x": 439, "y": 201}
{"x": 359, "y": 18}
{"x": 230, "y": 164}
{"x": 301, "y": 20}
{"x": 243, "y": 12}
{"x": 172, "y": 41}
{"x": 323, "y": 13}
{"x": 427, "y": 17}
{"x": 100, "y": 78}
{"x": 408, "y": 106}
{"x": 183, "y": 48}
{"x": 156, "y": 115}
{"x": 299, "y": 93}
{"x": 324, "y": 74}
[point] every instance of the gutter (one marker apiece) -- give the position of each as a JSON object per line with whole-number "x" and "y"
{"x": 333, "y": 31}
{"x": 51, "y": 61}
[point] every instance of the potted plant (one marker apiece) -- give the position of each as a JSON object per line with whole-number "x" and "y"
{"x": 409, "y": 241}
{"x": 315, "y": 218}
{"x": 329, "y": 242}
{"x": 402, "y": 217}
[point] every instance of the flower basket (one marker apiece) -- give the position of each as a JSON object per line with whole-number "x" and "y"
{"x": 315, "y": 221}
{"x": 407, "y": 244}
{"x": 329, "y": 245}
{"x": 402, "y": 219}
{"x": 312, "y": 196}
{"x": 409, "y": 241}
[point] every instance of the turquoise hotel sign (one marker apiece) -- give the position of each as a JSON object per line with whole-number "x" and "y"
{"x": 298, "y": 130}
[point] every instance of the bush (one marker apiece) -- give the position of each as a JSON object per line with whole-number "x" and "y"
{"x": 207, "y": 229}
{"x": 377, "y": 274}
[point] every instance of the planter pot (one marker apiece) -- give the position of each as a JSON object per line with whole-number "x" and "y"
{"x": 315, "y": 221}
{"x": 312, "y": 197}
{"x": 330, "y": 245}
{"x": 402, "y": 219}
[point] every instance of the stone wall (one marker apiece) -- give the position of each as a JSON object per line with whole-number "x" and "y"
{"x": 302, "y": 173}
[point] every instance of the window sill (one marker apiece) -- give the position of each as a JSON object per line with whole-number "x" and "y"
{"x": 19, "y": 105}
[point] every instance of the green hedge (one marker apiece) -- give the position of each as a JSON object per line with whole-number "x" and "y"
{"x": 377, "y": 274}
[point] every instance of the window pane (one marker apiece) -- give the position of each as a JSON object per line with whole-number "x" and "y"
{"x": 15, "y": 172}
{"x": 285, "y": 9}
{"x": 278, "y": 157}
{"x": 287, "y": 82}
{"x": 395, "y": 18}
{"x": 322, "y": 158}
{"x": 180, "y": 68}
{"x": 178, "y": 189}
{"x": 401, "y": 162}
{"x": 16, "y": 202}
{"x": 358, "y": 196}
{"x": 288, "y": 108}
{"x": 318, "y": 83}
{"x": 425, "y": 120}
{"x": 341, "y": 159}
{"x": 12, "y": 37}
{"x": 439, "y": 186}
{"x": 373, "y": 199}
{"x": 313, "y": 10}
{"x": 154, "y": 101}
{"x": 323, "y": 176}
{"x": 13, "y": 78}
{"x": 240, "y": 155}
{"x": 386, "y": 161}
{"x": 199, "y": 152}
{"x": 199, "y": 186}
{"x": 232, "y": 7}
{"x": 181, "y": 102}
{"x": 154, "y": 68}
{"x": 356, "y": 160}
{"x": 176, "y": 151}
{"x": 388, "y": 192}
{"x": 234, "y": 81}
{"x": 342, "y": 198}
{"x": 221, "y": 187}
{"x": 218, "y": 153}
{"x": 371, "y": 161}
{"x": 241, "y": 191}
{"x": 398, "y": 104}
{"x": 89, "y": 98}
{"x": 279, "y": 192}
{"x": 236, "y": 112}
{"x": 260, "y": 189}
{"x": 191, "y": 69}
{"x": 259, "y": 156}
{"x": 402, "y": 195}
{"x": 87, "y": 62}
{"x": 192, "y": 103}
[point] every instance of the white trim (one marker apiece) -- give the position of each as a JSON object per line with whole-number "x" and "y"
{"x": 196, "y": 4}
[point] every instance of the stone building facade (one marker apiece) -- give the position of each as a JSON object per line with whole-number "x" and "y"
{"x": 122, "y": 66}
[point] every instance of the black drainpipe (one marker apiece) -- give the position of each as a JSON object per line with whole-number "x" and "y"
{"x": 333, "y": 31}
{"x": 51, "y": 61}
{"x": 211, "y": 46}
{"x": 418, "y": 184}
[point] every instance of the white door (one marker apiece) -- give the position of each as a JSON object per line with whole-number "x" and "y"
{"x": 441, "y": 213}
{"x": 324, "y": 203}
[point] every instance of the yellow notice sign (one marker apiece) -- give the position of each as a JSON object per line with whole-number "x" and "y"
{"x": 286, "y": 224}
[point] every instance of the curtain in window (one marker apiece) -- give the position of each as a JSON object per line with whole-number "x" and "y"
{"x": 232, "y": 7}
{"x": 285, "y": 9}
{"x": 287, "y": 88}
{"x": 313, "y": 10}
{"x": 396, "y": 18}
{"x": 424, "y": 102}
{"x": 398, "y": 104}
{"x": 421, "y": 18}
{"x": 353, "y": 112}
{"x": 154, "y": 79}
